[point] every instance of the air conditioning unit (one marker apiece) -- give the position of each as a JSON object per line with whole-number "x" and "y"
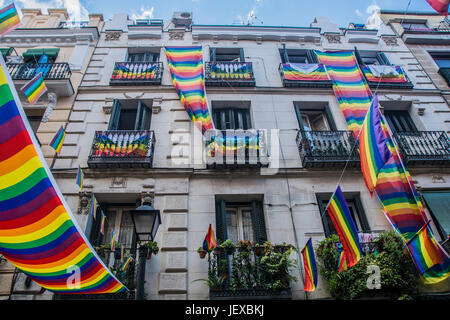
{"x": 14, "y": 59}
{"x": 182, "y": 19}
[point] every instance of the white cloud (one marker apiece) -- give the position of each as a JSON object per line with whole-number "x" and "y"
{"x": 75, "y": 8}
{"x": 374, "y": 21}
{"x": 146, "y": 13}
{"x": 251, "y": 15}
{"x": 358, "y": 13}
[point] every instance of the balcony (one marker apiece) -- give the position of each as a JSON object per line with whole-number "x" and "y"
{"x": 439, "y": 35}
{"x": 319, "y": 149}
{"x": 233, "y": 148}
{"x": 226, "y": 74}
{"x": 56, "y": 76}
{"x": 303, "y": 75}
{"x": 137, "y": 73}
{"x": 424, "y": 147}
{"x": 122, "y": 149}
{"x": 380, "y": 76}
{"x": 254, "y": 273}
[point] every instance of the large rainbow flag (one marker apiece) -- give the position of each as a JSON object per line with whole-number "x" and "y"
{"x": 345, "y": 227}
{"x": 186, "y": 68}
{"x": 9, "y": 19}
{"x": 309, "y": 263}
{"x": 38, "y": 233}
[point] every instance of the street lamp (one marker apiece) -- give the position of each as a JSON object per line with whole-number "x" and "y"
{"x": 146, "y": 221}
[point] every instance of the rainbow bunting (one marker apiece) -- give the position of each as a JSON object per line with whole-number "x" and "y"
{"x": 373, "y": 150}
{"x": 9, "y": 19}
{"x": 79, "y": 178}
{"x": 102, "y": 224}
{"x": 35, "y": 88}
{"x": 429, "y": 257}
{"x": 58, "y": 140}
{"x": 349, "y": 86}
{"x": 441, "y": 6}
{"x": 186, "y": 68}
{"x": 38, "y": 233}
{"x": 345, "y": 227}
{"x": 342, "y": 262}
{"x": 210, "y": 240}
{"x": 126, "y": 264}
{"x": 309, "y": 263}
{"x": 94, "y": 206}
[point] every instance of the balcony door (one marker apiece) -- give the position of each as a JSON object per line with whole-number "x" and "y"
{"x": 227, "y": 55}
{"x": 143, "y": 57}
{"x": 399, "y": 121}
{"x": 231, "y": 118}
{"x": 130, "y": 115}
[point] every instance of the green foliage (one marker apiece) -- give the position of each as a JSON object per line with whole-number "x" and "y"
{"x": 228, "y": 244}
{"x": 152, "y": 247}
{"x": 398, "y": 276}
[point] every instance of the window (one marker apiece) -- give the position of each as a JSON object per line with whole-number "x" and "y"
{"x": 415, "y": 25}
{"x": 365, "y": 57}
{"x": 227, "y": 55}
{"x": 35, "y": 122}
{"x": 130, "y": 115}
{"x": 399, "y": 121}
{"x": 240, "y": 221}
{"x": 41, "y": 55}
{"x": 442, "y": 59}
{"x": 314, "y": 117}
{"x": 356, "y": 210}
{"x": 143, "y": 57}
{"x": 438, "y": 203}
{"x": 298, "y": 56}
{"x": 231, "y": 118}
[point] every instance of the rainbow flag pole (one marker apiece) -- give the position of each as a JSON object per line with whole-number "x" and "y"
{"x": 9, "y": 19}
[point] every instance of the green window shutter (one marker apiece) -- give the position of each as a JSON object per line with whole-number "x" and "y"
{"x": 311, "y": 56}
{"x": 438, "y": 202}
{"x": 361, "y": 215}
{"x": 115, "y": 116}
{"x": 382, "y": 58}
{"x": 6, "y": 51}
{"x": 221, "y": 220}
{"x": 241, "y": 53}
{"x": 259, "y": 225}
{"x": 358, "y": 56}
{"x": 212, "y": 54}
{"x": 50, "y": 52}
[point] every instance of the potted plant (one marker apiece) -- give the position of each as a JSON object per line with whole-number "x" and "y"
{"x": 244, "y": 245}
{"x": 259, "y": 250}
{"x": 152, "y": 248}
{"x": 201, "y": 253}
{"x": 229, "y": 246}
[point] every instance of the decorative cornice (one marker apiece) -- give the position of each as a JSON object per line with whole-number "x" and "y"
{"x": 390, "y": 40}
{"x": 113, "y": 35}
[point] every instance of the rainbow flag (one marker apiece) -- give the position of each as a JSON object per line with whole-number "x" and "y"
{"x": 430, "y": 258}
{"x": 9, "y": 19}
{"x": 94, "y": 206}
{"x": 399, "y": 78}
{"x": 35, "y": 88}
{"x": 345, "y": 227}
{"x": 186, "y": 68}
{"x": 373, "y": 150}
{"x": 79, "y": 178}
{"x": 210, "y": 240}
{"x": 304, "y": 72}
{"x": 342, "y": 261}
{"x": 122, "y": 253}
{"x": 309, "y": 263}
{"x": 441, "y": 6}
{"x": 126, "y": 264}
{"x": 349, "y": 86}
{"x": 113, "y": 244}
{"x": 38, "y": 233}
{"x": 58, "y": 140}
{"x": 102, "y": 224}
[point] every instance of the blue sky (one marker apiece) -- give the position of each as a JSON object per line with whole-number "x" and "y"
{"x": 258, "y": 12}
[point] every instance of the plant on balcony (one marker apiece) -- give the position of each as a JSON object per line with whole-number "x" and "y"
{"x": 398, "y": 275}
{"x": 152, "y": 248}
{"x": 228, "y": 245}
{"x": 125, "y": 276}
{"x": 245, "y": 245}
{"x": 276, "y": 268}
{"x": 201, "y": 253}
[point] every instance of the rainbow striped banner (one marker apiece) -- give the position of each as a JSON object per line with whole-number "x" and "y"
{"x": 9, "y": 19}
{"x": 35, "y": 88}
{"x": 399, "y": 78}
{"x": 134, "y": 71}
{"x": 304, "y": 72}
{"x": 345, "y": 227}
{"x": 58, "y": 140}
{"x": 441, "y": 6}
{"x": 342, "y": 262}
{"x": 186, "y": 68}
{"x": 79, "y": 178}
{"x": 210, "y": 240}
{"x": 349, "y": 86}
{"x": 309, "y": 263}
{"x": 430, "y": 258}
{"x": 38, "y": 233}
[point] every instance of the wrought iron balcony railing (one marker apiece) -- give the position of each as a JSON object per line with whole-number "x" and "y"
{"x": 235, "y": 274}
{"x": 327, "y": 148}
{"x": 304, "y": 75}
{"x": 73, "y": 24}
{"x": 122, "y": 148}
{"x": 424, "y": 147}
{"x": 386, "y": 76}
{"x": 236, "y": 147}
{"x": 137, "y": 73}
{"x": 50, "y": 71}
{"x": 229, "y": 74}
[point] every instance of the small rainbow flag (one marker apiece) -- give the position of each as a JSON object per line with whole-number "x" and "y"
{"x": 342, "y": 262}
{"x": 309, "y": 263}
{"x": 9, "y": 19}
{"x": 113, "y": 245}
{"x": 210, "y": 240}
{"x": 35, "y": 88}
{"x": 430, "y": 259}
{"x": 102, "y": 224}
{"x": 125, "y": 265}
{"x": 373, "y": 150}
{"x": 58, "y": 140}
{"x": 441, "y": 6}
{"x": 93, "y": 206}
{"x": 80, "y": 178}
{"x": 345, "y": 227}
